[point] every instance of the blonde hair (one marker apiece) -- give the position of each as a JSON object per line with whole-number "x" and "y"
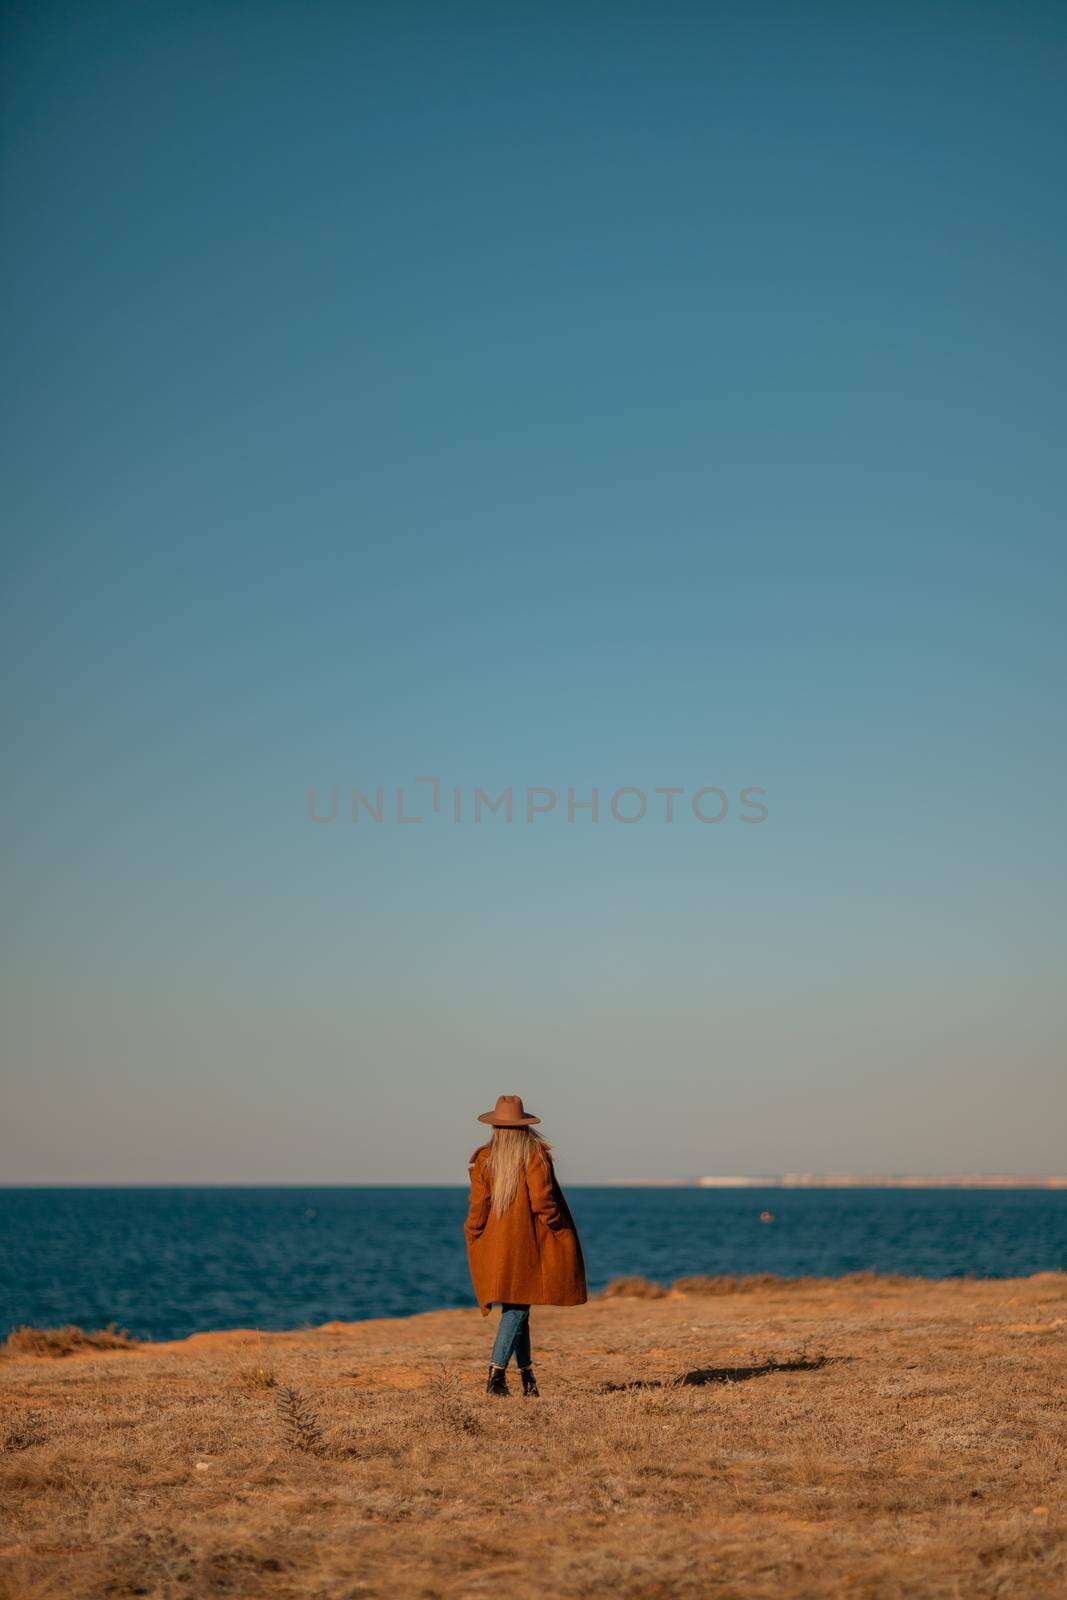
{"x": 510, "y": 1152}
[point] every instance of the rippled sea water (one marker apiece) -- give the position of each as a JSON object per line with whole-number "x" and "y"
{"x": 167, "y": 1262}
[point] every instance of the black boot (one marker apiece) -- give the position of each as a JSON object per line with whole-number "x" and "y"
{"x": 529, "y": 1383}
{"x": 498, "y": 1383}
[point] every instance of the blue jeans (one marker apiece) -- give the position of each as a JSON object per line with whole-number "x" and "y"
{"x": 512, "y": 1337}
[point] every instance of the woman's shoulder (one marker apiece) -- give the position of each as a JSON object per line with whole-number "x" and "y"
{"x": 478, "y": 1155}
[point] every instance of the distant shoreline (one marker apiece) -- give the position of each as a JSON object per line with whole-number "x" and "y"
{"x": 816, "y": 1180}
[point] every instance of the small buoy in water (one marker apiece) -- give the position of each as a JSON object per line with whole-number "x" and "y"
{"x": 766, "y": 1216}
{"x": 310, "y": 1212}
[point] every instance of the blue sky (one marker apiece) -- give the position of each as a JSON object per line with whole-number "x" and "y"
{"x": 533, "y": 395}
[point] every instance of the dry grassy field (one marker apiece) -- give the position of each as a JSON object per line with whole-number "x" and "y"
{"x": 866, "y": 1437}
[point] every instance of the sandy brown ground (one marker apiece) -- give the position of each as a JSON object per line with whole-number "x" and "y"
{"x": 925, "y": 1457}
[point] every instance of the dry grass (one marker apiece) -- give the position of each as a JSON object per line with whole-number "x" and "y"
{"x": 866, "y": 1439}
{"x": 727, "y": 1283}
{"x": 254, "y": 1376}
{"x": 68, "y": 1341}
{"x": 634, "y": 1289}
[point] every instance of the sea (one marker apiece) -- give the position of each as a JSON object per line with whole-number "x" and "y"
{"x": 166, "y": 1262}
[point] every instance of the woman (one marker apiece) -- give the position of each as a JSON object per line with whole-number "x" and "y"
{"x": 522, "y": 1245}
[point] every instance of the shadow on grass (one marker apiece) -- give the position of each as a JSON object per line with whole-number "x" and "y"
{"x": 701, "y": 1375}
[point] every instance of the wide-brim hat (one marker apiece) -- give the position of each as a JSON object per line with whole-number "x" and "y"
{"x": 508, "y": 1113}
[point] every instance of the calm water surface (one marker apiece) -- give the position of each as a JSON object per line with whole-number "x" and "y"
{"x": 167, "y": 1262}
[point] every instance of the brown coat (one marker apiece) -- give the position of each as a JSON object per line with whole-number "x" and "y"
{"x": 531, "y": 1255}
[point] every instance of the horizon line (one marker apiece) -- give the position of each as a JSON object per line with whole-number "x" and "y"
{"x": 807, "y": 1180}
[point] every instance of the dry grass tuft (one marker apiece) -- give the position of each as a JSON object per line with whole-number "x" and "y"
{"x": 301, "y": 1428}
{"x": 727, "y": 1284}
{"x": 633, "y": 1289}
{"x": 253, "y": 1378}
{"x": 66, "y": 1341}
